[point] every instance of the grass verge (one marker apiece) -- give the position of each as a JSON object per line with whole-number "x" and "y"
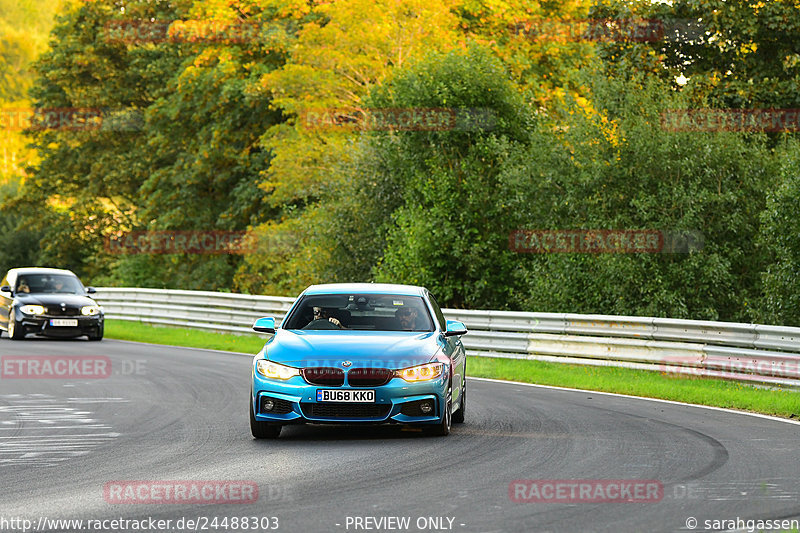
{"x": 191, "y": 338}
{"x": 713, "y": 392}
{"x": 663, "y": 385}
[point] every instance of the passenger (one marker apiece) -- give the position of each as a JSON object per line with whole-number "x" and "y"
{"x": 408, "y": 318}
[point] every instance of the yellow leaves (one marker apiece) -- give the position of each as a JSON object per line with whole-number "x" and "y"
{"x": 333, "y": 66}
{"x": 287, "y": 257}
{"x": 364, "y": 38}
{"x": 60, "y": 203}
{"x": 290, "y": 9}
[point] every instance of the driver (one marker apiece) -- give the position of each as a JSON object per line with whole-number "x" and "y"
{"x": 23, "y": 286}
{"x": 323, "y": 319}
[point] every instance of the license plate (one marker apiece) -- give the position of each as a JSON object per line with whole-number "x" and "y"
{"x": 348, "y": 396}
{"x": 68, "y": 322}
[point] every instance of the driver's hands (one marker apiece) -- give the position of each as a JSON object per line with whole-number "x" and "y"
{"x": 335, "y": 321}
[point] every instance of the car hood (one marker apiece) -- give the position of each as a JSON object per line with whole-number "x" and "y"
{"x": 385, "y": 349}
{"x": 71, "y": 300}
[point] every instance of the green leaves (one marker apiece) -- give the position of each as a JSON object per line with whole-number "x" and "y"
{"x": 780, "y": 238}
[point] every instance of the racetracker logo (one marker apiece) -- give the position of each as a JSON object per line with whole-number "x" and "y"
{"x": 135, "y": 32}
{"x": 73, "y": 119}
{"x": 180, "y": 492}
{"x": 608, "y": 30}
{"x": 55, "y": 367}
{"x": 713, "y": 365}
{"x": 585, "y": 491}
{"x": 398, "y": 119}
{"x": 711, "y": 120}
{"x": 598, "y": 241}
{"x": 181, "y": 242}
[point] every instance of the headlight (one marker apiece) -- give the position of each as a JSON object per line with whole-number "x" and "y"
{"x": 90, "y": 310}
{"x": 272, "y": 370}
{"x": 32, "y": 309}
{"x": 421, "y": 372}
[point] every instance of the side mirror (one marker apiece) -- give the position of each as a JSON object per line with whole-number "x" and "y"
{"x": 90, "y": 290}
{"x": 454, "y": 327}
{"x": 6, "y": 288}
{"x": 264, "y": 325}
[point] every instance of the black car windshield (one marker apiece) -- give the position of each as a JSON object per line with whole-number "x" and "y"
{"x": 374, "y": 312}
{"x": 49, "y": 284}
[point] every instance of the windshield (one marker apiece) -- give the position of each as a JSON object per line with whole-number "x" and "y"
{"x": 49, "y": 284}
{"x": 374, "y": 312}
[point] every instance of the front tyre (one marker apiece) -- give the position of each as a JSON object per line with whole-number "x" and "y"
{"x": 458, "y": 416}
{"x": 442, "y": 429}
{"x": 263, "y": 430}
{"x": 15, "y": 331}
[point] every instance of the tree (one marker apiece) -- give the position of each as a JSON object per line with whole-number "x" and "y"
{"x": 176, "y": 147}
{"x": 780, "y": 236}
{"x": 338, "y": 52}
{"x": 429, "y": 198}
{"x": 735, "y": 54}
{"x": 620, "y": 169}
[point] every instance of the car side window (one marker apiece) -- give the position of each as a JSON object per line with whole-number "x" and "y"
{"x": 438, "y": 312}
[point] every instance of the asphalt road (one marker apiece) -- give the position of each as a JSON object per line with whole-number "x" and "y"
{"x": 177, "y": 414}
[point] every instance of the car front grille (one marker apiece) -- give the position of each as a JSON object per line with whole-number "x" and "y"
{"x": 369, "y": 377}
{"x": 280, "y": 407}
{"x": 59, "y": 311}
{"x": 325, "y": 376}
{"x": 345, "y": 410}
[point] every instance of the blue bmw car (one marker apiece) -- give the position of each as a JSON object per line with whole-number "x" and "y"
{"x": 360, "y": 353}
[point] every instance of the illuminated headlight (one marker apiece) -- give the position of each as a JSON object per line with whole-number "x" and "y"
{"x": 425, "y": 372}
{"x": 32, "y": 309}
{"x": 90, "y": 310}
{"x": 272, "y": 370}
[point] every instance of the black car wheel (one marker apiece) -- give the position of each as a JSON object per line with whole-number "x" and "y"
{"x": 15, "y": 331}
{"x": 458, "y": 416}
{"x": 99, "y": 335}
{"x": 442, "y": 429}
{"x": 263, "y": 430}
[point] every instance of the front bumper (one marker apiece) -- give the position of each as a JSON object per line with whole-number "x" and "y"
{"x": 396, "y": 402}
{"x": 40, "y": 325}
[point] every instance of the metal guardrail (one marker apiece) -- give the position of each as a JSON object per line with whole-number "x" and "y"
{"x": 742, "y": 352}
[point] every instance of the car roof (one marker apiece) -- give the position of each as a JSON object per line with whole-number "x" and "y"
{"x": 365, "y": 288}
{"x": 39, "y": 270}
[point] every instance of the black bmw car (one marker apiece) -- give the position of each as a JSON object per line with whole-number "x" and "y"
{"x": 50, "y": 302}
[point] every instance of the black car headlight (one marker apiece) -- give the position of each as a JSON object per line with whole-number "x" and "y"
{"x": 90, "y": 310}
